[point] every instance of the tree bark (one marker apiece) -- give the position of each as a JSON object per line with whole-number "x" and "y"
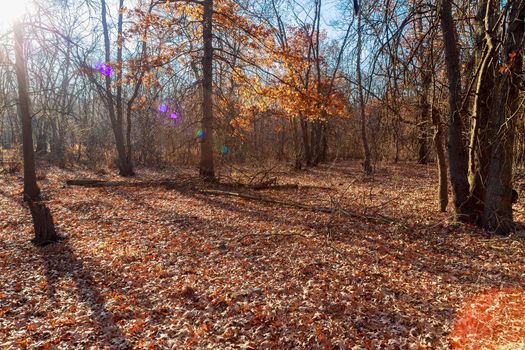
{"x": 307, "y": 150}
{"x": 441, "y": 161}
{"x": 497, "y": 215}
{"x": 484, "y": 100}
{"x": 457, "y": 154}
{"x": 116, "y": 116}
{"x": 367, "y": 166}
{"x": 45, "y": 232}
{"x": 206, "y": 169}
{"x": 424, "y": 107}
{"x": 31, "y": 190}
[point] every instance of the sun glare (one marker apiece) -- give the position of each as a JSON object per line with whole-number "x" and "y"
{"x": 10, "y": 11}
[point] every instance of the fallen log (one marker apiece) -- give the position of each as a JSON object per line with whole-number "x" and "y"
{"x": 173, "y": 184}
{"x": 104, "y": 183}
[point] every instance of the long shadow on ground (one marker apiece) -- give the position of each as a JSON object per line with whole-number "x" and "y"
{"x": 60, "y": 262}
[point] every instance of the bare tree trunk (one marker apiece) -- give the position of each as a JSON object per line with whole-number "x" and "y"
{"x": 206, "y": 164}
{"x": 126, "y": 161}
{"x": 367, "y": 166}
{"x": 457, "y": 154}
{"x": 485, "y": 97}
{"x": 41, "y": 140}
{"x": 497, "y": 215}
{"x": 424, "y": 108}
{"x": 58, "y": 150}
{"x": 441, "y": 161}
{"x": 44, "y": 227}
{"x": 422, "y": 148}
{"x": 438, "y": 139}
{"x": 116, "y": 117}
{"x": 296, "y": 143}
{"x": 31, "y": 190}
{"x": 43, "y": 223}
{"x": 307, "y": 150}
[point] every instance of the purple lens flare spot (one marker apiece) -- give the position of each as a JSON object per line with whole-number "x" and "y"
{"x": 163, "y": 108}
{"x": 104, "y": 69}
{"x": 173, "y": 116}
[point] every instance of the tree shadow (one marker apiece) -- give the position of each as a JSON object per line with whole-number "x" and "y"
{"x": 60, "y": 261}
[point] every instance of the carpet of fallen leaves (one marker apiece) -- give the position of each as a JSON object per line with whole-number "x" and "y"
{"x": 173, "y": 268}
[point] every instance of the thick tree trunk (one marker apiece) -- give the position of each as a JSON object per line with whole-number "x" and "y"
{"x": 484, "y": 100}
{"x": 367, "y": 166}
{"x": 206, "y": 164}
{"x": 457, "y": 154}
{"x": 31, "y": 190}
{"x": 45, "y": 232}
{"x": 497, "y": 214}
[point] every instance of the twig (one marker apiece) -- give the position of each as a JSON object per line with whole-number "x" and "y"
{"x": 272, "y": 234}
{"x": 268, "y": 200}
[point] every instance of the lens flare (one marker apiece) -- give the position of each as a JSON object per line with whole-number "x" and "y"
{"x": 200, "y": 133}
{"x": 105, "y": 69}
{"x": 174, "y": 116}
{"x": 163, "y": 108}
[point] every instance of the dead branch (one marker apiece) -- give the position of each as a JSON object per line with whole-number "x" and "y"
{"x": 104, "y": 183}
{"x": 336, "y": 206}
{"x": 268, "y": 200}
{"x": 267, "y": 235}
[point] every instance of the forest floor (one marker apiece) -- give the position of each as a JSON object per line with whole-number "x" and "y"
{"x": 176, "y": 268}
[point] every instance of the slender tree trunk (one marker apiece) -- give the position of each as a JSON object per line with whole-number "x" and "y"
{"x": 316, "y": 142}
{"x": 324, "y": 142}
{"x": 58, "y": 150}
{"x": 457, "y": 154}
{"x": 497, "y": 215}
{"x": 296, "y": 143}
{"x": 424, "y": 108}
{"x": 422, "y": 148}
{"x": 31, "y": 190}
{"x": 441, "y": 161}
{"x": 307, "y": 150}
{"x": 206, "y": 164}
{"x": 367, "y": 166}
{"x": 438, "y": 137}
{"x": 124, "y": 161}
{"x": 41, "y": 141}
